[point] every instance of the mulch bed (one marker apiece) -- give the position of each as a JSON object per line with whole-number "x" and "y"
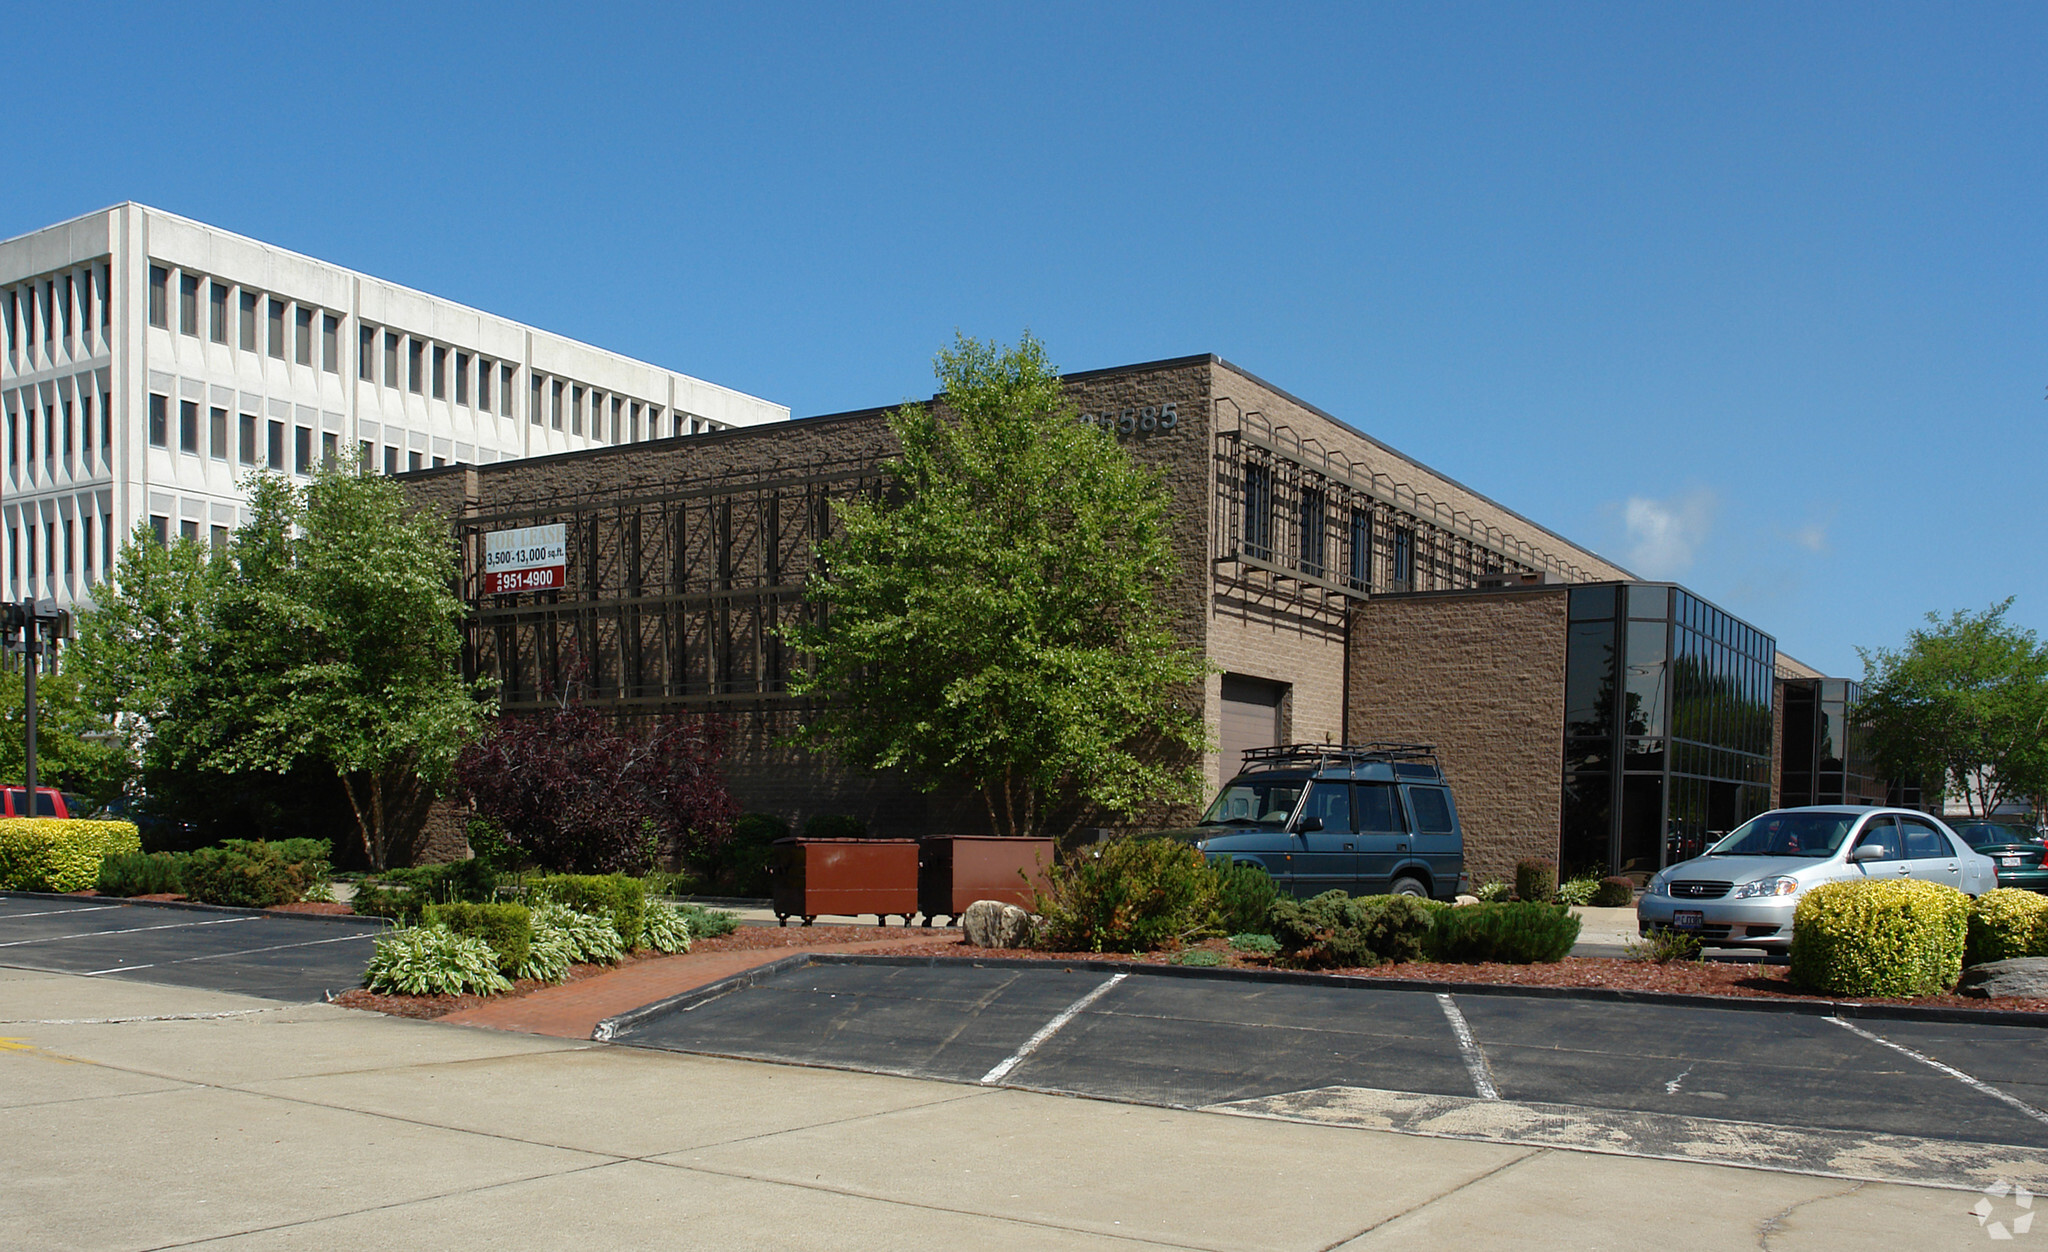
{"x": 745, "y": 939}
{"x": 428, "y": 1007}
{"x": 1741, "y": 980}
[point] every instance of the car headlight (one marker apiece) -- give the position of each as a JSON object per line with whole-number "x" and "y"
{"x": 1780, "y": 886}
{"x": 1657, "y": 887}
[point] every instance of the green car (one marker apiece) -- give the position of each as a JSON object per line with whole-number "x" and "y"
{"x": 2017, "y": 851}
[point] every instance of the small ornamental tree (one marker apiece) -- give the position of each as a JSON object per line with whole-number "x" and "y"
{"x": 325, "y": 639}
{"x": 1965, "y": 702}
{"x": 997, "y": 620}
{"x": 583, "y": 791}
{"x": 76, "y": 747}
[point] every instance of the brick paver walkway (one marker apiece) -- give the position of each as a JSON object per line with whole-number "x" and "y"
{"x": 573, "y": 1010}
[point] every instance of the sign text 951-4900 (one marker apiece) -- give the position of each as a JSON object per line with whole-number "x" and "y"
{"x": 531, "y": 558}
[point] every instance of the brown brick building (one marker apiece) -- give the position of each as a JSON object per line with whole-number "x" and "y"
{"x": 1334, "y": 583}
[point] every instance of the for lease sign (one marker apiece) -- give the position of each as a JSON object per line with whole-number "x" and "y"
{"x": 532, "y": 558}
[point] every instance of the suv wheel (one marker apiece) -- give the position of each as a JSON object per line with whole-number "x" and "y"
{"x": 1405, "y": 886}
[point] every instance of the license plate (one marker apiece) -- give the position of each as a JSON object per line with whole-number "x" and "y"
{"x": 1688, "y": 919}
{"x": 2009, "y": 860}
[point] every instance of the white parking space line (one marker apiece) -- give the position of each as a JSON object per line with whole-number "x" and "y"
{"x": 1970, "y": 1081}
{"x": 221, "y": 956}
{"x": 132, "y": 930}
{"x": 1047, "y": 1031}
{"x": 97, "y": 908}
{"x": 1475, "y": 1060}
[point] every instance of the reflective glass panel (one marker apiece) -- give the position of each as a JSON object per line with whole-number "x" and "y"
{"x": 1589, "y": 603}
{"x": 1589, "y": 679}
{"x": 1649, "y": 601}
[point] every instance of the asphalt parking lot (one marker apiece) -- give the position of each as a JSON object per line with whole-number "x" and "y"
{"x": 1203, "y": 1042}
{"x": 1869, "y": 1097}
{"x": 276, "y": 956}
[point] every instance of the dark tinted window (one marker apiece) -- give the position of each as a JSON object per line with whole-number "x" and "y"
{"x": 1592, "y": 602}
{"x": 1924, "y": 842}
{"x": 1330, "y": 801}
{"x": 46, "y": 803}
{"x": 1377, "y": 810}
{"x": 1432, "y": 810}
{"x": 1881, "y": 833}
{"x": 1589, "y": 679}
{"x": 1989, "y": 834}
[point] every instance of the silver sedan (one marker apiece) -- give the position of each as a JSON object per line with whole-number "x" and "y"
{"x": 1741, "y": 893}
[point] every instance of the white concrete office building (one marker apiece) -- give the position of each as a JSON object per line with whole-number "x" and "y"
{"x": 149, "y": 362}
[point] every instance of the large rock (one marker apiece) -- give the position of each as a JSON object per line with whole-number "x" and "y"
{"x": 2022, "y": 976}
{"x": 993, "y": 924}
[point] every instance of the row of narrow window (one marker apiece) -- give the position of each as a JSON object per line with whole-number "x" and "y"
{"x": 71, "y": 426}
{"x": 401, "y": 361}
{"x": 76, "y": 537}
{"x": 60, "y": 309}
{"x": 284, "y": 329}
{"x": 1312, "y": 536}
{"x": 255, "y": 441}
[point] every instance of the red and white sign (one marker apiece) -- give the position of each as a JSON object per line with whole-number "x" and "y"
{"x": 532, "y": 558}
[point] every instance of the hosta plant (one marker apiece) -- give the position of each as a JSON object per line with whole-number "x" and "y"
{"x": 591, "y": 940}
{"x": 664, "y": 929}
{"x": 424, "y": 961}
{"x": 549, "y": 955}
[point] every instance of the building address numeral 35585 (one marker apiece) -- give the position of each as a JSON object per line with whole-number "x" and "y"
{"x": 1142, "y": 420}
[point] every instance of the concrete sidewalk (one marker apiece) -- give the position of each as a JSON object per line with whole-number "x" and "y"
{"x": 142, "y": 1116}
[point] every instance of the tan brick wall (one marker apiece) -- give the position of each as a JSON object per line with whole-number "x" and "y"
{"x": 764, "y": 772}
{"x": 1777, "y": 741}
{"x": 785, "y": 447}
{"x": 1261, "y": 635}
{"x": 1183, "y": 459}
{"x": 1481, "y": 676}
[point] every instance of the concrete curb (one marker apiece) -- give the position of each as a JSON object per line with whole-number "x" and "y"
{"x": 719, "y": 902}
{"x": 609, "y": 1028}
{"x": 125, "y": 902}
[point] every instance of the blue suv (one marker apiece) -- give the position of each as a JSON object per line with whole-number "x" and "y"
{"x": 1366, "y": 819}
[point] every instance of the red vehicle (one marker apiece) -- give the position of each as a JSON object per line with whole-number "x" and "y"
{"x": 50, "y": 802}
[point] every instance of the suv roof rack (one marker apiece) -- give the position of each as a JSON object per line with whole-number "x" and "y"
{"x": 1323, "y": 755}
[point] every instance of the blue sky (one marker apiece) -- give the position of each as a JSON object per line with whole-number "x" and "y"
{"x": 1748, "y": 296}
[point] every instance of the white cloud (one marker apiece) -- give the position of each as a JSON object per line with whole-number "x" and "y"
{"x": 1663, "y": 535}
{"x": 1813, "y": 536}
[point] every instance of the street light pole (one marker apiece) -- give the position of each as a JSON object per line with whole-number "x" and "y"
{"x": 31, "y": 660}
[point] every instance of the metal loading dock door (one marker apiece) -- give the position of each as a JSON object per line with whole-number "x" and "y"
{"x": 1250, "y": 719}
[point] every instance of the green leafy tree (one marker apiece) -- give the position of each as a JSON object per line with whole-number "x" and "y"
{"x": 326, "y": 635}
{"x": 995, "y": 618}
{"x": 76, "y": 748}
{"x": 1964, "y": 702}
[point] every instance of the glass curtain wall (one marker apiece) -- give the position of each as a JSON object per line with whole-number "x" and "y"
{"x": 1667, "y": 727}
{"x": 1826, "y": 750}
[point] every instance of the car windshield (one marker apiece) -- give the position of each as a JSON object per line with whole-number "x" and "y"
{"x": 1260, "y": 801}
{"x": 1787, "y": 834}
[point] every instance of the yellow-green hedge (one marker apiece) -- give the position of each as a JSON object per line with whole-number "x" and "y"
{"x": 1894, "y": 937}
{"x": 59, "y": 853}
{"x": 2005, "y": 923}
